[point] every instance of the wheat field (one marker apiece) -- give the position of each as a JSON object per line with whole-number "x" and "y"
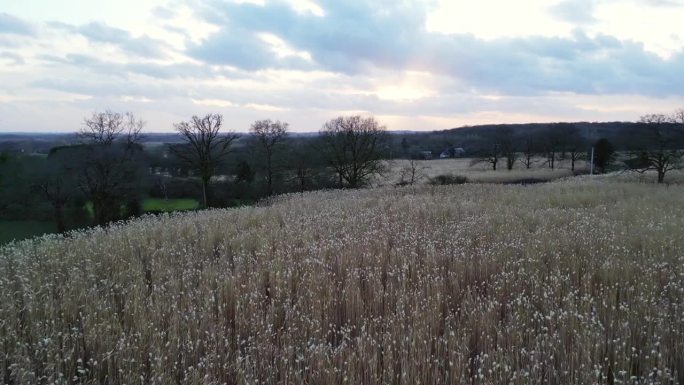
{"x": 570, "y": 282}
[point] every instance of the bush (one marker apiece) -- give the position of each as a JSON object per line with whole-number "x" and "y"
{"x": 447, "y": 179}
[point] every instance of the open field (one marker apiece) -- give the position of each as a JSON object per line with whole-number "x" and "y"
{"x": 570, "y": 282}
{"x": 153, "y": 204}
{"x": 672, "y": 177}
{"x": 479, "y": 172}
{"x": 158, "y": 204}
{"x": 19, "y": 230}
{"x": 482, "y": 172}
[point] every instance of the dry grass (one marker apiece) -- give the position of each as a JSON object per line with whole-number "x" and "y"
{"x": 561, "y": 283}
{"x": 630, "y": 176}
{"x": 479, "y": 172}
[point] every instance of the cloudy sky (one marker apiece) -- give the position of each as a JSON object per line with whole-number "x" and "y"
{"x": 416, "y": 65}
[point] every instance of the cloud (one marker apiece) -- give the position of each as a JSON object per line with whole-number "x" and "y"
{"x": 306, "y": 61}
{"x": 665, "y": 3}
{"x": 355, "y": 37}
{"x": 124, "y": 70}
{"x": 237, "y": 48}
{"x": 580, "y": 64}
{"x": 163, "y": 12}
{"x": 14, "y": 26}
{"x": 107, "y": 88}
{"x": 351, "y": 36}
{"x": 13, "y": 58}
{"x": 575, "y": 11}
{"x": 98, "y": 32}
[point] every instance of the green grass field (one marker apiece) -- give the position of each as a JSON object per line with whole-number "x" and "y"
{"x": 157, "y": 204}
{"x": 153, "y": 204}
{"x": 18, "y": 230}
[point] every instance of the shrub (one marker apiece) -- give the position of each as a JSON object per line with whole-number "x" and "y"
{"x": 447, "y": 179}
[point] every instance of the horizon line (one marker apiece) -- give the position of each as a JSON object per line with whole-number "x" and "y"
{"x": 315, "y": 132}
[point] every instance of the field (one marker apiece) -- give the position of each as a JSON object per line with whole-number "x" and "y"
{"x": 158, "y": 204}
{"x": 11, "y": 230}
{"x": 568, "y": 282}
{"x": 152, "y": 204}
{"x": 20, "y": 230}
{"x": 478, "y": 172}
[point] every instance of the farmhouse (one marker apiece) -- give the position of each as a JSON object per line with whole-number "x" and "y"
{"x": 452, "y": 152}
{"x": 427, "y": 155}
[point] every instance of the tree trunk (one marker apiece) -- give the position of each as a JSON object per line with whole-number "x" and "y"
{"x": 205, "y": 184}
{"x": 301, "y": 176}
{"x": 98, "y": 212}
{"x": 269, "y": 190}
{"x": 661, "y": 176}
{"x": 59, "y": 219}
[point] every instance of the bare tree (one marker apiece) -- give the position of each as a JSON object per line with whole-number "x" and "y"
{"x": 528, "y": 152}
{"x": 492, "y": 157}
{"x": 301, "y": 160}
{"x": 571, "y": 143}
{"x": 57, "y": 186}
{"x": 678, "y": 118}
{"x": 109, "y": 162}
{"x": 506, "y": 142}
{"x": 553, "y": 145}
{"x": 660, "y": 153}
{"x": 269, "y": 135}
{"x": 411, "y": 173}
{"x": 604, "y": 154}
{"x": 353, "y": 147}
{"x": 575, "y": 153}
{"x": 205, "y": 147}
{"x": 106, "y": 128}
{"x": 502, "y": 146}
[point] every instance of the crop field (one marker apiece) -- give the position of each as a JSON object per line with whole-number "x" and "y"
{"x": 568, "y": 282}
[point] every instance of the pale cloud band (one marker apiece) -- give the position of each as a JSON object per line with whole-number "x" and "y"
{"x": 416, "y": 65}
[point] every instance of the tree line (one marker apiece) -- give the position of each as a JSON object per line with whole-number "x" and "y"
{"x": 107, "y": 173}
{"x": 109, "y": 170}
{"x": 656, "y": 145}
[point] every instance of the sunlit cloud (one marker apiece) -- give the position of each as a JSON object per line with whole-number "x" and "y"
{"x": 416, "y": 65}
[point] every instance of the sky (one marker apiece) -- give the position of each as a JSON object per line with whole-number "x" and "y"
{"x": 414, "y": 65}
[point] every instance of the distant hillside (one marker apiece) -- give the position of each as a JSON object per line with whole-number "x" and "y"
{"x": 476, "y": 139}
{"x": 617, "y": 132}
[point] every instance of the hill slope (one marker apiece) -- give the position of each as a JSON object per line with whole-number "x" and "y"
{"x": 568, "y": 282}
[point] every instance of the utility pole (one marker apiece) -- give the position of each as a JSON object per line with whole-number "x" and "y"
{"x": 591, "y": 167}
